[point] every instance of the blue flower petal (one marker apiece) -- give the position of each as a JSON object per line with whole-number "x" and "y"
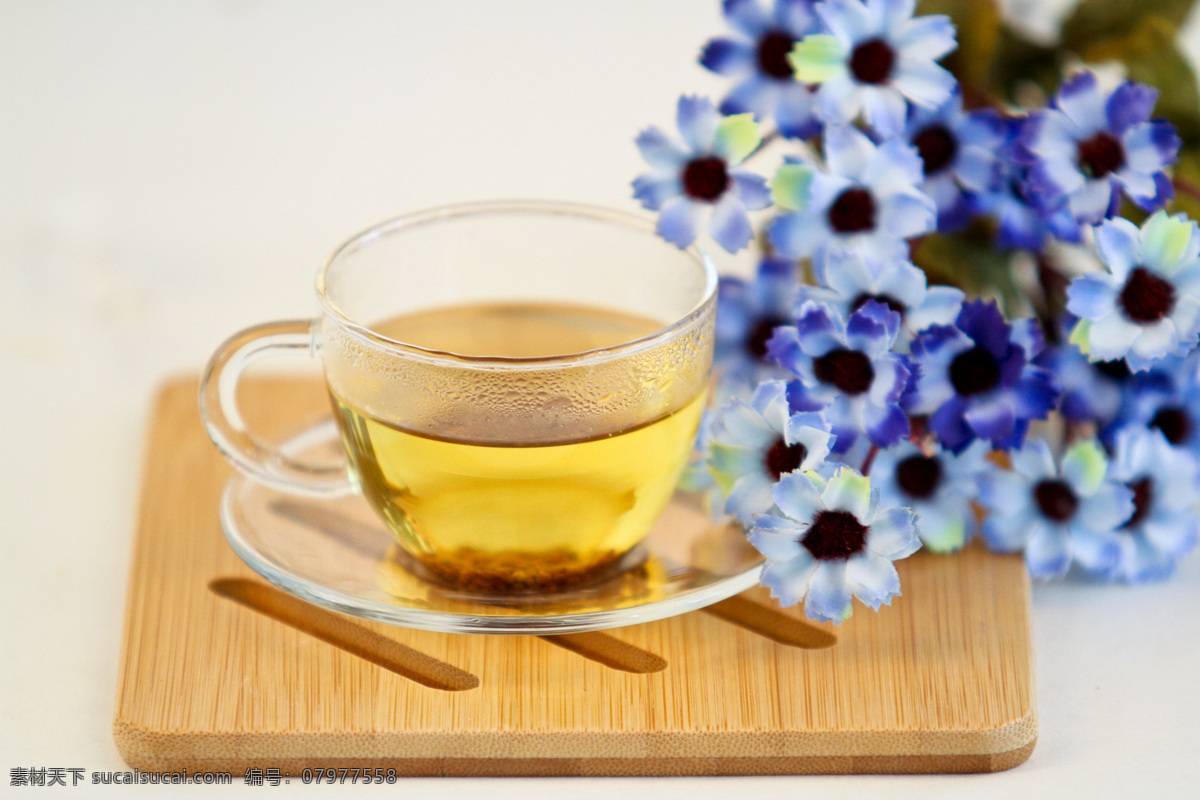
{"x": 729, "y": 224}
{"x": 797, "y": 496}
{"x": 789, "y": 581}
{"x": 679, "y": 221}
{"x": 1048, "y": 551}
{"x": 777, "y": 538}
{"x": 1130, "y": 104}
{"x": 872, "y": 579}
{"x": 728, "y": 57}
{"x": 829, "y": 595}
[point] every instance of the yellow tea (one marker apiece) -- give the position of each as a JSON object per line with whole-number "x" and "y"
{"x": 509, "y": 515}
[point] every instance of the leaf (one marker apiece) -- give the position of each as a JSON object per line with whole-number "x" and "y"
{"x": 970, "y": 261}
{"x": 1018, "y": 60}
{"x": 1152, "y": 54}
{"x": 1094, "y": 20}
{"x": 1187, "y": 183}
{"x": 978, "y": 26}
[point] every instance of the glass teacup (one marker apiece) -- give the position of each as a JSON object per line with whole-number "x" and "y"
{"x": 517, "y": 385}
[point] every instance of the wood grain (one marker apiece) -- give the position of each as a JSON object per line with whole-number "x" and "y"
{"x": 939, "y": 682}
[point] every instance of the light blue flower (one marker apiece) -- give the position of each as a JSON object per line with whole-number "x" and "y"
{"x": 938, "y": 485}
{"x": 1090, "y": 145}
{"x": 757, "y": 58}
{"x": 832, "y": 542}
{"x": 1147, "y": 305}
{"x": 852, "y": 279}
{"x": 961, "y": 155}
{"x": 1164, "y": 524}
{"x": 752, "y": 445}
{"x": 695, "y": 178}
{"x": 866, "y": 200}
{"x": 747, "y": 314}
{"x": 1056, "y": 516}
{"x": 876, "y": 59}
{"x": 978, "y": 380}
{"x": 848, "y": 368}
{"x": 1164, "y": 399}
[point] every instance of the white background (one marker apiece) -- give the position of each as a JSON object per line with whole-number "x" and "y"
{"x": 170, "y": 172}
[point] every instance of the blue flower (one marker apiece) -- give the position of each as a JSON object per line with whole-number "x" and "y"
{"x": 747, "y": 314}
{"x": 960, "y": 153}
{"x": 1089, "y": 146}
{"x": 1164, "y": 399}
{"x": 876, "y": 59}
{"x": 852, "y": 279}
{"x": 848, "y": 369}
{"x": 1163, "y": 525}
{"x": 752, "y": 445}
{"x": 767, "y": 86}
{"x": 867, "y": 201}
{"x": 695, "y": 178}
{"x": 1091, "y": 391}
{"x": 1057, "y": 516}
{"x": 832, "y": 542}
{"x": 1148, "y": 303}
{"x": 938, "y": 485}
{"x": 978, "y": 379}
{"x": 1020, "y": 223}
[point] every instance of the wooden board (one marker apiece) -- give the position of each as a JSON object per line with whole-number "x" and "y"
{"x": 220, "y": 671}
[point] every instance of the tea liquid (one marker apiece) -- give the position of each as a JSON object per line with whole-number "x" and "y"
{"x": 519, "y": 515}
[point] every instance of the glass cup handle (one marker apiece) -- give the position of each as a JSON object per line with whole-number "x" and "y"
{"x": 227, "y": 429}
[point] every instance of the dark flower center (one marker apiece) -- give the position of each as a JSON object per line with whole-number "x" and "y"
{"x": 852, "y": 212}
{"x": 773, "y": 49}
{"x": 937, "y": 148}
{"x": 919, "y": 476}
{"x": 1143, "y": 501}
{"x": 886, "y": 299}
{"x": 1056, "y": 500}
{"x": 1146, "y": 298}
{"x": 848, "y": 370}
{"x": 1175, "y": 424}
{"x": 872, "y": 61}
{"x": 974, "y": 371}
{"x": 783, "y": 458}
{"x": 705, "y": 178}
{"x": 756, "y": 340}
{"x": 1116, "y": 370}
{"x": 1100, "y": 155}
{"x": 835, "y": 535}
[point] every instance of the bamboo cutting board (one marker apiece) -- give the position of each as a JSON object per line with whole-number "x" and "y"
{"x": 221, "y": 671}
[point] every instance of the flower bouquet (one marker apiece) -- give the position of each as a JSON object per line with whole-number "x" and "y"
{"x": 977, "y": 305}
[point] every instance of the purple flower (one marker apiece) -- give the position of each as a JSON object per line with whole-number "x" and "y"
{"x": 832, "y": 543}
{"x": 1056, "y": 515}
{"x": 1020, "y": 223}
{"x": 757, "y": 57}
{"x": 960, "y": 153}
{"x": 1089, "y": 146}
{"x": 978, "y": 379}
{"x": 876, "y": 59}
{"x": 867, "y": 200}
{"x": 848, "y": 369}
{"x": 695, "y": 178}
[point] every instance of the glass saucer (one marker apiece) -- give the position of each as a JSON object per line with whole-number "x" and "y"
{"x": 336, "y": 553}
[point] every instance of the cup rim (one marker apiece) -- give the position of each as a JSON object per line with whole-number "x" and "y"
{"x": 546, "y": 207}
